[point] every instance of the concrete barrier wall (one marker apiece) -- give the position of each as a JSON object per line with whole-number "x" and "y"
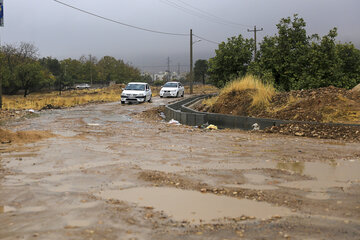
{"x": 181, "y": 112}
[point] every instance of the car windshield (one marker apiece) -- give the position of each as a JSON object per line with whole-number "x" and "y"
{"x": 170, "y": 85}
{"x": 139, "y": 87}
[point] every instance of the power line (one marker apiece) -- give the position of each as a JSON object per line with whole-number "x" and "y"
{"x": 212, "y": 15}
{"x": 201, "y": 13}
{"x": 121, "y": 23}
{"x": 207, "y": 40}
{"x": 189, "y": 11}
{"x": 163, "y": 66}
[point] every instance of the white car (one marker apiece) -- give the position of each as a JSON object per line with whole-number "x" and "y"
{"x": 136, "y": 92}
{"x": 82, "y": 86}
{"x": 172, "y": 89}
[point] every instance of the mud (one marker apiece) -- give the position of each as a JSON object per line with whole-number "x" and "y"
{"x": 113, "y": 171}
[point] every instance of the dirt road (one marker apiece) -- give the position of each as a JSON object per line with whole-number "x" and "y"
{"x": 109, "y": 174}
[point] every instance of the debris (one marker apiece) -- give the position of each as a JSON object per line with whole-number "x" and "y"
{"x": 31, "y": 111}
{"x": 203, "y": 126}
{"x": 93, "y": 124}
{"x": 174, "y": 122}
{"x": 212, "y": 127}
{"x": 256, "y": 127}
{"x": 162, "y": 115}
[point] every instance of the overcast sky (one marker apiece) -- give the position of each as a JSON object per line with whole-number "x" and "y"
{"x": 62, "y": 32}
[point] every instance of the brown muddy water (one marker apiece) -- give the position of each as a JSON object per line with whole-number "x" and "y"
{"x": 195, "y": 207}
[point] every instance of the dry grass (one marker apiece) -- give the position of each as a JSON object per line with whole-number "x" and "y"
{"x": 342, "y": 111}
{"x": 72, "y": 98}
{"x": 210, "y": 101}
{"x": 67, "y": 99}
{"x": 261, "y": 94}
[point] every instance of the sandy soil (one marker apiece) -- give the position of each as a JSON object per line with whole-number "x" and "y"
{"x": 110, "y": 171}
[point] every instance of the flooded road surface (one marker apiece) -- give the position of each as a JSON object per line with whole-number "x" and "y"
{"x": 110, "y": 173}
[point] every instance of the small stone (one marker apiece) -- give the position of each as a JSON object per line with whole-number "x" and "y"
{"x": 203, "y": 190}
{"x": 234, "y": 193}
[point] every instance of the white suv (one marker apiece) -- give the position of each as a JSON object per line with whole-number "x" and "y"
{"x": 172, "y": 89}
{"x": 136, "y": 92}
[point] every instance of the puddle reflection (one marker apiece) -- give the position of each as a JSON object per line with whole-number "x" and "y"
{"x": 194, "y": 206}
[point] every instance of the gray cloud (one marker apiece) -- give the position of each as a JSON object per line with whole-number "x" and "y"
{"x": 62, "y": 32}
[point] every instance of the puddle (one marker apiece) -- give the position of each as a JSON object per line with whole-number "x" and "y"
{"x": 33, "y": 209}
{"x": 101, "y": 119}
{"x": 251, "y": 186}
{"x": 203, "y": 166}
{"x": 6, "y": 209}
{"x": 120, "y": 185}
{"x": 77, "y": 223}
{"x": 336, "y": 174}
{"x": 318, "y": 196}
{"x": 255, "y": 178}
{"x": 65, "y": 133}
{"x": 195, "y": 206}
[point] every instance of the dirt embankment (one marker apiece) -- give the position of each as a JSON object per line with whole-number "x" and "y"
{"x": 320, "y": 105}
{"x": 323, "y": 105}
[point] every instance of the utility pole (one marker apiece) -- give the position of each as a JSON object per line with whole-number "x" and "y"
{"x": 191, "y": 62}
{"x": 168, "y": 69}
{"x": 1, "y": 25}
{"x": 91, "y": 82}
{"x": 61, "y": 79}
{"x": 255, "y": 30}
{"x": 179, "y": 69}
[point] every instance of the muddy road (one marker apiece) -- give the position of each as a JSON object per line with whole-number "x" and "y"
{"x": 110, "y": 174}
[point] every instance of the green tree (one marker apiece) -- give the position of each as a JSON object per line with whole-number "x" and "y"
{"x": 111, "y": 69}
{"x": 51, "y": 64}
{"x": 71, "y": 72}
{"x": 293, "y": 60}
{"x": 232, "y": 60}
{"x": 201, "y": 70}
{"x": 15, "y": 56}
{"x": 285, "y": 55}
{"x": 32, "y": 76}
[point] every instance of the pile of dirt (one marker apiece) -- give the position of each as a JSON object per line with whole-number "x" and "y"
{"x": 323, "y": 131}
{"x": 323, "y": 105}
{"x": 153, "y": 114}
{"x": 356, "y": 88}
{"x": 229, "y": 103}
{"x": 7, "y": 136}
{"x": 328, "y": 104}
